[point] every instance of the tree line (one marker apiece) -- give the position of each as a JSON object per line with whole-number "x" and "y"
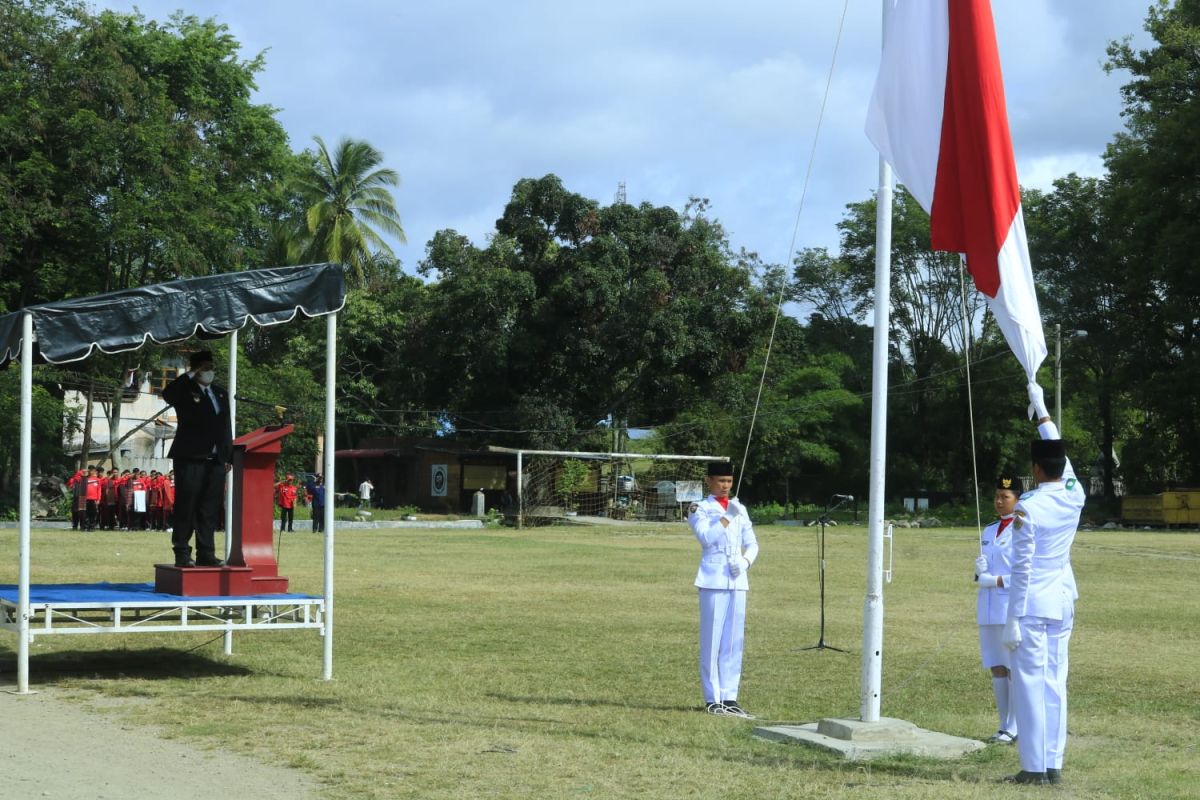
{"x": 131, "y": 153}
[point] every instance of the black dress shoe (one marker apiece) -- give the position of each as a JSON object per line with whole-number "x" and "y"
{"x": 184, "y": 563}
{"x": 210, "y": 562}
{"x": 1036, "y": 778}
{"x": 1054, "y": 776}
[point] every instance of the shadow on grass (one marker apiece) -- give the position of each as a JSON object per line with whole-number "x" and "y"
{"x": 154, "y": 664}
{"x": 586, "y": 702}
{"x": 980, "y": 767}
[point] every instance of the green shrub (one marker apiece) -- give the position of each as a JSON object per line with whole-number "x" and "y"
{"x": 765, "y": 513}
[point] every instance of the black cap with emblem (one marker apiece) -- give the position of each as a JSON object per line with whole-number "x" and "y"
{"x": 719, "y": 468}
{"x": 1008, "y": 481}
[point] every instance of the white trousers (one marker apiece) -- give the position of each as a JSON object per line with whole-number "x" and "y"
{"x": 1039, "y": 690}
{"x": 722, "y": 626}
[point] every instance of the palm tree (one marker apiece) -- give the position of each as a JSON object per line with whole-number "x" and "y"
{"x": 349, "y": 206}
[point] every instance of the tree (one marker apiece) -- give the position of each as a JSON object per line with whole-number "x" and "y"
{"x": 1154, "y": 223}
{"x": 929, "y": 433}
{"x": 1082, "y": 280}
{"x": 349, "y": 208}
{"x": 132, "y": 155}
{"x": 580, "y": 313}
{"x": 799, "y": 447}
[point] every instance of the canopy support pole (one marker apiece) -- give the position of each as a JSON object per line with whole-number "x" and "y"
{"x": 26, "y": 491}
{"x": 233, "y": 371}
{"x": 330, "y": 493}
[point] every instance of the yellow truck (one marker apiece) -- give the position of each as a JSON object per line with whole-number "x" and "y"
{"x": 1176, "y": 508}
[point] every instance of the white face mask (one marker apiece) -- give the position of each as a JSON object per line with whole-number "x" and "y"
{"x": 206, "y": 377}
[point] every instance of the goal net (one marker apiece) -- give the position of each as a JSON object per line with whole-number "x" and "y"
{"x": 553, "y": 485}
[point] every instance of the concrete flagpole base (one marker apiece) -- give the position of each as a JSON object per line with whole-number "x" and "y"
{"x": 856, "y": 740}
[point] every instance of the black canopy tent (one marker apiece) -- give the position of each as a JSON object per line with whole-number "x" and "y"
{"x": 208, "y": 307}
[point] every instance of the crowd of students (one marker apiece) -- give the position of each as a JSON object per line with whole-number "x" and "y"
{"x": 134, "y": 500}
{"x": 137, "y": 500}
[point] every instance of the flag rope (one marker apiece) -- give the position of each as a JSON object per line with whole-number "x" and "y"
{"x": 962, "y": 282}
{"x": 792, "y": 245}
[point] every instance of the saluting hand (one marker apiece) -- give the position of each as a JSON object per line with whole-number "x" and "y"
{"x": 736, "y": 509}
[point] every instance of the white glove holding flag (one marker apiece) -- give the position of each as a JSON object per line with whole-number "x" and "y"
{"x": 1037, "y": 402}
{"x": 1012, "y": 634}
{"x": 981, "y": 565}
{"x": 736, "y": 509}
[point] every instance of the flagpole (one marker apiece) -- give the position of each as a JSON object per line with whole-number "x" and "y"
{"x": 872, "y": 648}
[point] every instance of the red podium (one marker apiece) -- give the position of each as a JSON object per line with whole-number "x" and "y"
{"x": 252, "y": 568}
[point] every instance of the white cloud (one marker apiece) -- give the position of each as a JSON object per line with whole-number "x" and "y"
{"x": 675, "y": 98}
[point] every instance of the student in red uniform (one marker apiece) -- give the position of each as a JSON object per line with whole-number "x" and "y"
{"x": 108, "y": 504}
{"x": 154, "y": 497}
{"x": 92, "y": 489}
{"x": 286, "y": 492}
{"x": 139, "y": 486}
{"x": 77, "y": 483}
{"x": 123, "y": 501}
{"x": 169, "y": 500}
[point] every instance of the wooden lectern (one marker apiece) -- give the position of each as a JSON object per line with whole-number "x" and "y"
{"x": 252, "y": 568}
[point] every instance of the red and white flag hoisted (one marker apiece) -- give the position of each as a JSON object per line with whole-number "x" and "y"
{"x": 938, "y": 117}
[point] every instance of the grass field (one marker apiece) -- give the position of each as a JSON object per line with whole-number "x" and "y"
{"x": 560, "y": 662}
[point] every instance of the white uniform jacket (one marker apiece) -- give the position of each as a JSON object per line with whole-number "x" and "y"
{"x": 721, "y": 545}
{"x": 1043, "y": 531}
{"x": 991, "y": 604}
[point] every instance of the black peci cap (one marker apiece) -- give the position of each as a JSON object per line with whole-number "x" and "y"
{"x": 1009, "y": 482}
{"x": 200, "y": 357}
{"x": 1047, "y": 448}
{"x": 719, "y": 468}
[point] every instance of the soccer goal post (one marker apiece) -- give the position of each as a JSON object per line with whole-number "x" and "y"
{"x": 558, "y": 485}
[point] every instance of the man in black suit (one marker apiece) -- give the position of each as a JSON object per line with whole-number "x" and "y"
{"x": 202, "y": 453}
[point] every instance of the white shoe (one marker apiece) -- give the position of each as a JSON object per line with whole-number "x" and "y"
{"x": 734, "y": 710}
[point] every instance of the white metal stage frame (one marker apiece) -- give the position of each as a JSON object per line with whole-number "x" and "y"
{"x": 178, "y": 615}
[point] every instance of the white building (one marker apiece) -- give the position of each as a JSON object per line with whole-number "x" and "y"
{"x": 145, "y": 428}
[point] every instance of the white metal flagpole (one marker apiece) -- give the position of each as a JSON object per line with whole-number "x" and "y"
{"x": 233, "y": 369}
{"x": 233, "y": 359}
{"x": 23, "y": 503}
{"x": 872, "y": 648}
{"x": 330, "y": 493}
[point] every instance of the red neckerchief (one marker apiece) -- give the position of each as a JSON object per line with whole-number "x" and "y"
{"x": 1004, "y": 522}
{"x": 724, "y": 501}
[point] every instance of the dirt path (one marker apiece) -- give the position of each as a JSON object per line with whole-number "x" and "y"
{"x": 57, "y": 749}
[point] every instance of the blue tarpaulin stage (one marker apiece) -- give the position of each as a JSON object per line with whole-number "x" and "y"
{"x": 121, "y": 594}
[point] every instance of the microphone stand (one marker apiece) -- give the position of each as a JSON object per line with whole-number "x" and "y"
{"x": 824, "y": 520}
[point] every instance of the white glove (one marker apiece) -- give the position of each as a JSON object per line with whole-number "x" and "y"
{"x": 1012, "y": 634}
{"x": 981, "y": 565}
{"x": 735, "y": 566}
{"x": 987, "y": 581}
{"x": 1037, "y": 402}
{"x": 735, "y": 509}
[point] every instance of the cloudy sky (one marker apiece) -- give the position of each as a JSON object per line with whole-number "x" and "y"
{"x": 674, "y": 99}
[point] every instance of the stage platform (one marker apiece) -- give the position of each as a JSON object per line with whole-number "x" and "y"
{"x": 98, "y": 608}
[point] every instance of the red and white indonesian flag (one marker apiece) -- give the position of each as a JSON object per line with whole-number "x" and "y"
{"x": 938, "y": 117}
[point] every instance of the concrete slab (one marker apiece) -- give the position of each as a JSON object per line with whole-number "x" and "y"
{"x": 856, "y": 740}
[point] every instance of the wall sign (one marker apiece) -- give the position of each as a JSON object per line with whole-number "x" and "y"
{"x": 439, "y": 477}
